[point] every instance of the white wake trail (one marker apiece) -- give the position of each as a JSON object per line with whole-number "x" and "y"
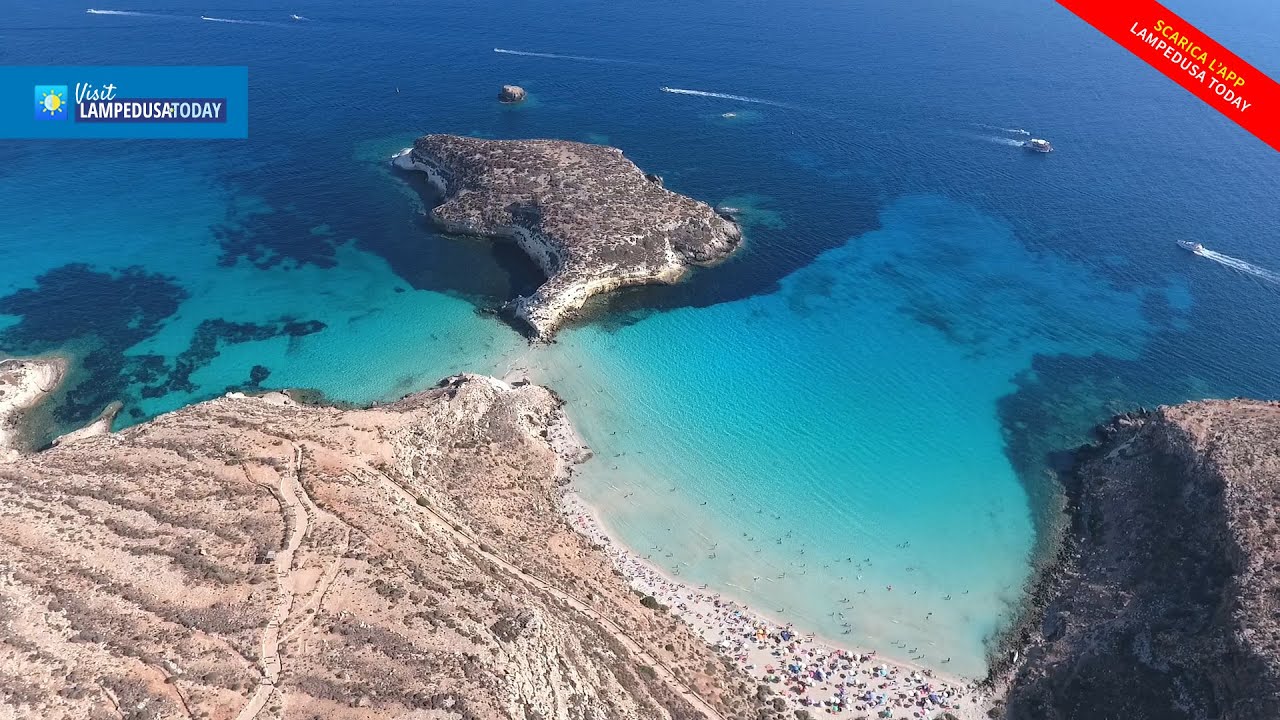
{"x": 127, "y": 13}
{"x": 725, "y": 96}
{"x": 557, "y": 56}
{"x": 1238, "y": 264}
{"x": 999, "y": 140}
{"x": 1012, "y": 131}
{"x": 235, "y": 21}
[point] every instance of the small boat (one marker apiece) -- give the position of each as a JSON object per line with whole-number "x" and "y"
{"x": 1194, "y": 247}
{"x": 296, "y": 17}
{"x": 1038, "y": 145}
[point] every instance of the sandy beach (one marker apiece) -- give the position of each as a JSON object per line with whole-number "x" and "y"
{"x": 810, "y": 673}
{"x": 23, "y": 384}
{"x": 807, "y": 671}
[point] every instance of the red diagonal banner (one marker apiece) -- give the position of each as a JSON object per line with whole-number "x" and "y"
{"x": 1190, "y": 58}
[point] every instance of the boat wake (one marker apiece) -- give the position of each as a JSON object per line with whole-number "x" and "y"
{"x": 999, "y": 140}
{"x": 557, "y": 56}
{"x": 235, "y": 21}
{"x": 126, "y": 13}
{"x": 725, "y": 96}
{"x": 1237, "y": 264}
{"x": 1011, "y": 131}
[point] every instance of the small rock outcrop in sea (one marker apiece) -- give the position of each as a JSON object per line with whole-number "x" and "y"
{"x": 1168, "y": 604}
{"x": 511, "y": 94}
{"x": 587, "y": 215}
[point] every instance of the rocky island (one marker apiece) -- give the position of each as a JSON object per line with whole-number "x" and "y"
{"x": 586, "y": 215}
{"x": 511, "y": 94}
{"x": 1167, "y": 602}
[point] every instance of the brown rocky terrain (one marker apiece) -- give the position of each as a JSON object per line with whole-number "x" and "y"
{"x": 589, "y": 217}
{"x": 256, "y": 558}
{"x": 1167, "y": 606}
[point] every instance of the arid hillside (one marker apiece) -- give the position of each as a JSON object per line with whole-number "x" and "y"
{"x": 256, "y": 558}
{"x": 1168, "y": 604}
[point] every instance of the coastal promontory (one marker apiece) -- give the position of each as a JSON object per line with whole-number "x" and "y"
{"x": 584, "y": 213}
{"x": 1166, "y": 605}
{"x": 253, "y": 557}
{"x": 24, "y": 383}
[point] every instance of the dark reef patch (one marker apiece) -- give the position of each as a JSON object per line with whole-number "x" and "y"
{"x": 258, "y": 374}
{"x": 211, "y": 334}
{"x": 268, "y": 240}
{"x": 106, "y": 313}
{"x": 97, "y": 315}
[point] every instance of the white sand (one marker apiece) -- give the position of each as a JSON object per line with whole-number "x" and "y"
{"x": 809, "y": 673}
{"x": 23, "y": 384}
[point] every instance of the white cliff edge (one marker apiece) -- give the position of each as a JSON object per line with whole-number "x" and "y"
{"x": 590, "y": 219}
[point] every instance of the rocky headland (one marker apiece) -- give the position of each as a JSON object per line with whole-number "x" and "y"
{"x": 587, "y": 215}
{"x": 1165, "y": 604}
{"x": 24, "y": 383}
{"x": 251, "y": 557}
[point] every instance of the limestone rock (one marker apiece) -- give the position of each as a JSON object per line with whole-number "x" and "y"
{"x": 587, "y": 215}
{"x": 1165, "y": 608}
{"x": 511, "y": 94}
{"x": 251, "y": 553}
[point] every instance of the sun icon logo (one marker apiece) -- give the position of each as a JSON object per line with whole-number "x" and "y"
{"x": 51, "y": 102}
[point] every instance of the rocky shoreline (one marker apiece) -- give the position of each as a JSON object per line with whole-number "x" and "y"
{"x": 24, "y": 384}
{"x": 1159, "y": 605}
{"x": 1156, "y": 605}
{"x": 590, "y": 219}
{"x": 248, "y": 555}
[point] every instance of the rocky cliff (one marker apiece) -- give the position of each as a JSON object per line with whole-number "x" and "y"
{"x": 24, "y": 383}
{"x": 588, "y": 216}
{"x": 1168, "y": 603}
{"x": 256, "y": 558}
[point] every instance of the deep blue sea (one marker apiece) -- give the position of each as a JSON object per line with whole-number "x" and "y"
{"x": 867, "y": 402}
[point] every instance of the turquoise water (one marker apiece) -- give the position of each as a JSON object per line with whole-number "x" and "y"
{"x": 843, "y": 431}
{"x": 923, "y": 318}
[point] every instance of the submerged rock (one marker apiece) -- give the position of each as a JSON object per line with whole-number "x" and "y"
{"x": 1166, "y": 607}
{"x": 587, "y": 215}
{"x": 511, "y": 94}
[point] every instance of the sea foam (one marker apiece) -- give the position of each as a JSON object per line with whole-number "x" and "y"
{"x": 724, "y": 96}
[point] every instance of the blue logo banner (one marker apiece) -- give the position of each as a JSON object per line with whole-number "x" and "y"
{"x": 93, "y": 101}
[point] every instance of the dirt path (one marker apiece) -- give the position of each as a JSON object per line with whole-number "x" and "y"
{"x": 295, "y": 517}
{"x": 661, "y": 670}
{"x": 331, "y": 572}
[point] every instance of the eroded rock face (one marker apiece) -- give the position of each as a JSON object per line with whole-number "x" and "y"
{"x": 584, "y": 213}
{"x": 254, "y": 555}
{"x": 511, "y": 94}
{"x": 1171, "y": 607}
{"x": 24, "y": 383}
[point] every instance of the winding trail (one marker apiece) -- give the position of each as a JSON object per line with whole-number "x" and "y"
{"x": 661, "y": 670}
{"x": 298, "y": 509}
{"x": 297, "y": 523}
{"x": 316, "y": 598}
